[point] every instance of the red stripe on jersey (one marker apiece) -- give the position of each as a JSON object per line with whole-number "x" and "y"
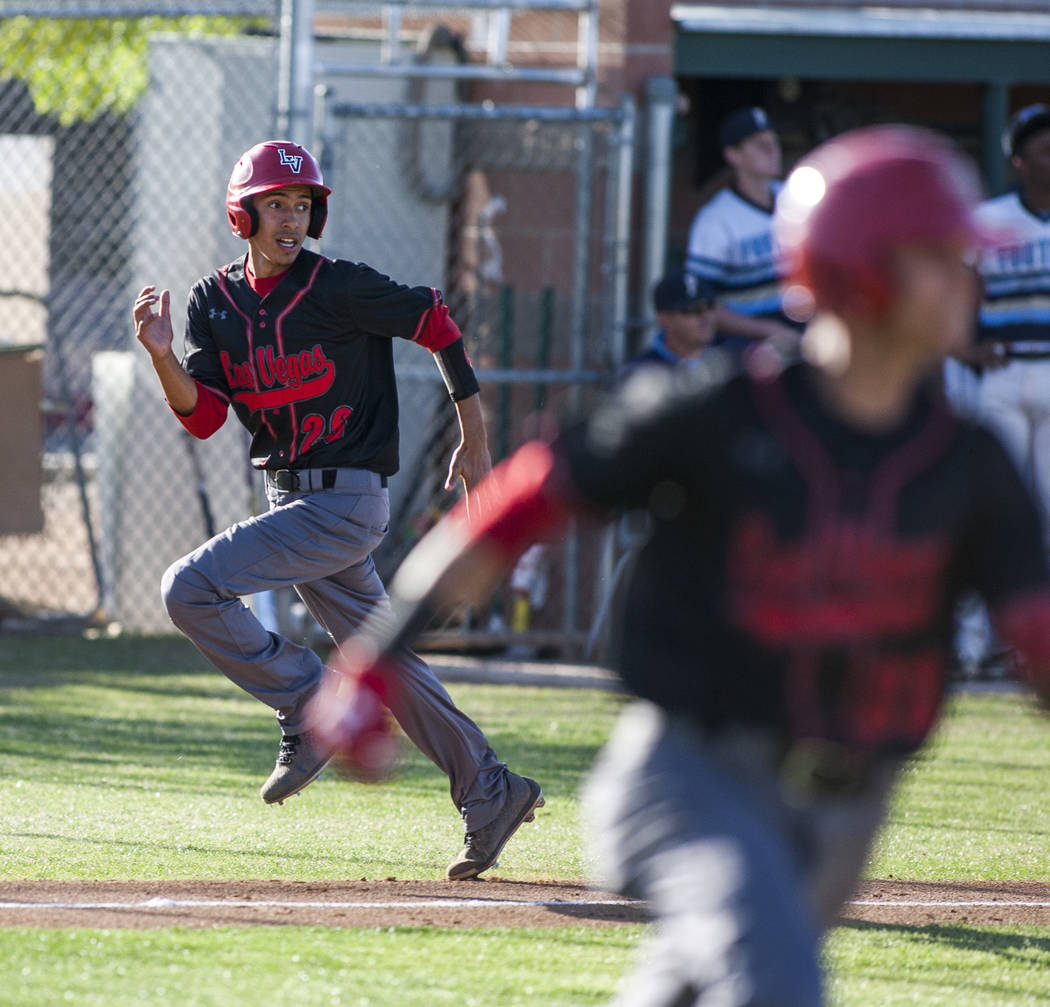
{"x": 293, "y": 448}
{"x": 814, "y": 465}
{"x": 248, "y": 336}
{"x": 915, "y": 456}
{"x": 208, "y": 414}
{"x": 299, "y": 295}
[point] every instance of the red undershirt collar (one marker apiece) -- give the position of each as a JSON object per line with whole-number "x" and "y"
{"x": 262, "y": 285}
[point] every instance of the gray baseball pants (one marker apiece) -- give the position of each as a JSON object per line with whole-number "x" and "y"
{"x": 742, "y": 878}
{"x": 321, "y": 543}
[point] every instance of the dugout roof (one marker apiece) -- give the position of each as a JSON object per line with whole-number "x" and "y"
{"x": 997, "y": 48}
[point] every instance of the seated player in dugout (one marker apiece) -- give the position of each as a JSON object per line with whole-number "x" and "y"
{"x": 787, "y": 625}
{"x": 685, "y": 308}
{"x": 300, "y": 346}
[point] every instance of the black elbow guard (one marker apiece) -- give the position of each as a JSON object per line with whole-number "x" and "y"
{"x": 456, "y": 371}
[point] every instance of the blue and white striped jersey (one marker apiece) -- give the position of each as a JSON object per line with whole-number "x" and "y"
{"x": 731, "y": 245}
{"x": 1016, "y": 273}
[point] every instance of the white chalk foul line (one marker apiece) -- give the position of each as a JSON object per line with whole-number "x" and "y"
{"x": 163, "y": 903}
{"x": 950, "y": 904}
{"x": 166, "y": 903}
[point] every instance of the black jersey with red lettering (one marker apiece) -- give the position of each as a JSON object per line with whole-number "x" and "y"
{"x": 309, "y": 368}
{"x": 800, "y": 574}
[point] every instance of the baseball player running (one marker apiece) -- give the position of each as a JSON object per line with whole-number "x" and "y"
{"x": 301, "y": 347}
{"x": 787, "y": 624}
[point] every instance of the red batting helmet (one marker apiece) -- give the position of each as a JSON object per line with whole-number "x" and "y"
{"x": 271, "y": 165}
{"x": 847, "y": 205}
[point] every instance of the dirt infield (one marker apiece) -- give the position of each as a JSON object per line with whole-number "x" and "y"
{"x": 488, "y": 903}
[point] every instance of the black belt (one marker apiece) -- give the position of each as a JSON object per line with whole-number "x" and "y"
{"x": 307, "y": 480}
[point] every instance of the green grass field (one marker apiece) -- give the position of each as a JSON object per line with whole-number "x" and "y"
{"x": 130, "y": 759}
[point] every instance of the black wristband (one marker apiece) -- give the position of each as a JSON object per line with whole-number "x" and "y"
{"x": 456, "y": 371}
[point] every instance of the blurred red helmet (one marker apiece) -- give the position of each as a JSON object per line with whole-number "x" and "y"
{"x": 857, "y": 197}
{"x": 271, "y": 165}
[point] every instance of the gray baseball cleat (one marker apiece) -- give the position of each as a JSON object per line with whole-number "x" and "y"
{"x": 300, "y": 760}
{"x": 482, "y": 848}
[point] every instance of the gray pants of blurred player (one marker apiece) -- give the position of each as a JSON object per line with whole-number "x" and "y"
{"x": 742, "y": 880}
{"x": 321, "y": 543}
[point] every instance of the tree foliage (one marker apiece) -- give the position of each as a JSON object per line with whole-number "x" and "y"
{"x": 78, "y": 68}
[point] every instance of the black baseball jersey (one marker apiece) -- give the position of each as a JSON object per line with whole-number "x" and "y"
{"x": 800, "y": 574}
{"x": 309, "y": 368}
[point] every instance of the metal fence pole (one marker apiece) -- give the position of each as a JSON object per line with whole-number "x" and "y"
{"x": 543, "y": 353}
{"x": 661, "y": 95}
{"x": 295, "y": 71}
{"x": 506, "y": 339}
{"x": 619, "y": 188}
{"x": 578, "y": 338}
{"x": 622, "y": 187}
{"x": 995, "y": 99}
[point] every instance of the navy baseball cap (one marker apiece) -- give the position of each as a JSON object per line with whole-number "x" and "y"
{"x": 1025, "y": 124}
{"x": 681, "y": 291}
{"x": 742, "y": 123}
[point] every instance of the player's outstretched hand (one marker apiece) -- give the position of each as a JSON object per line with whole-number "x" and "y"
{"x": 152, "y": 314}
{"x": 471, "y": 467}
{"x": 349, "y": 716}
{"x": 471, "y": 461}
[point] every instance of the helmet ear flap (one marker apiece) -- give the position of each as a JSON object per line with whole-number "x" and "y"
{"x": 318, "y": 216}
{"x": 244, "y": 220}
{"x": 872, "y": 291}
{"x": 251, "y": 214}
{"x": 845, "y": 286}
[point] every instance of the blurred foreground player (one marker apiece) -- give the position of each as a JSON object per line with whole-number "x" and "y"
{"x": 301, "y": 347}
{"x": 787, "y": 625}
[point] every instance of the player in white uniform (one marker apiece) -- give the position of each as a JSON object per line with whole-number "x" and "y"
{"x": 1015, "y": 315}
{"x": 731, "y": 238}
{"x": 1012, "y": 353}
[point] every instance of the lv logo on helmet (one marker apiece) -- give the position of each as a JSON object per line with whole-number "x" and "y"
{"x": 293, "y": 161}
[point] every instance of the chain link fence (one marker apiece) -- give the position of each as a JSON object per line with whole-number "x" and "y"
{"x": 114, "y": 182}
{"x": 108, "y": 123}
